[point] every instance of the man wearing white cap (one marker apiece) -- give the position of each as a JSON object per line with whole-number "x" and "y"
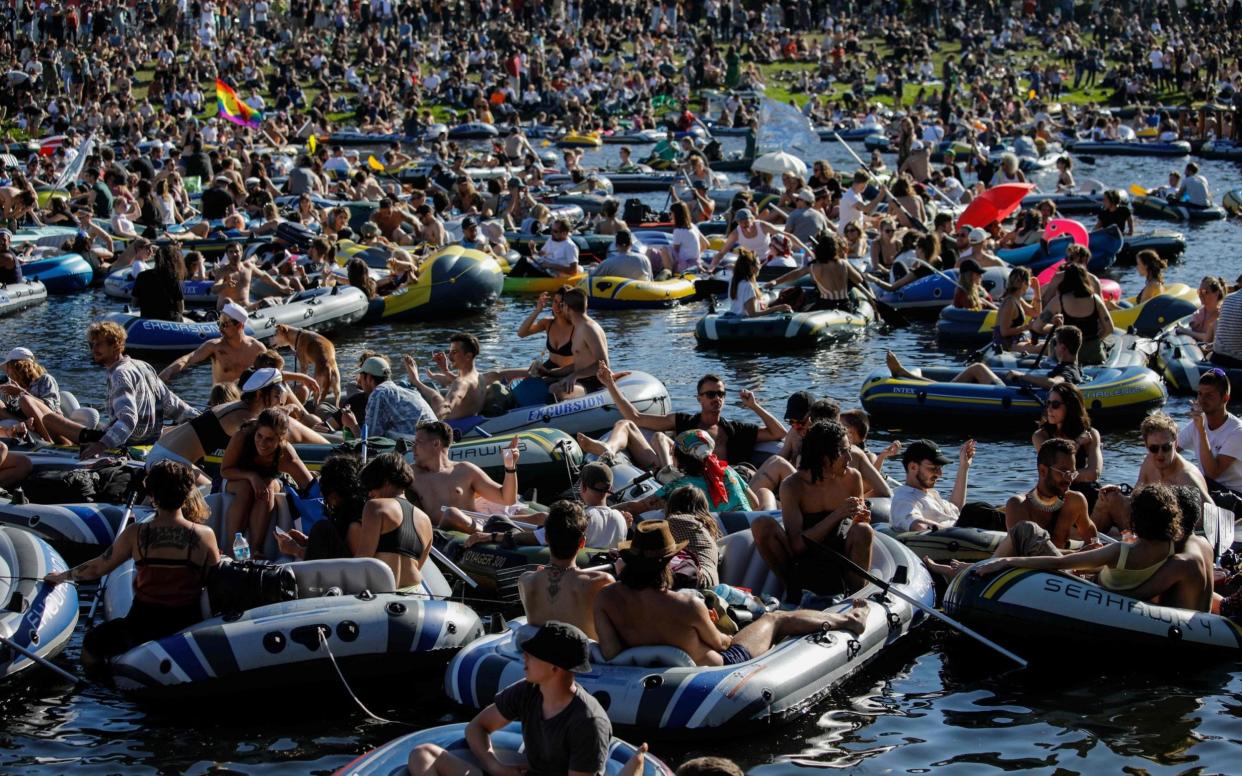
{"x": 138, "y": 402}
{"x": 391, "y": 408}
{"x": 30, "y": 392}
{"x": 230, "y": 354}
{"x": 978, "y": 241}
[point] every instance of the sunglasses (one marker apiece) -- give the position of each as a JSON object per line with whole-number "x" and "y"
{"x": 1167, "y": 447}
{"x": 1069, "y": 474}
{"x": 714, "y": 394}
{"x": 1055, "y": 404}
{"x": 1217, "y": 372}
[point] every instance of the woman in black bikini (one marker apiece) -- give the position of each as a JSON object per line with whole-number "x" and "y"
{"x": 558, "y": 333}
{"x": 209, "y": 433}
{"x": 256, "y": 457}
{"x": 391, "y": 529}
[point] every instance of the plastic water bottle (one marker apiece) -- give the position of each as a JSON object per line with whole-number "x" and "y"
{"x": 739, "y": 597}
{"x": 241, "y": 547}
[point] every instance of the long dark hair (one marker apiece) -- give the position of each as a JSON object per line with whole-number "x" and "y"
{"x": 341, "y": 474}
{"x": 1074, "y": 281}
{"x": 745, "y": 269}
{"x": 825, "y": 441}
{"x": 1077, "y": 422}
{"x": 360, "y": 277}
{"x": 170, "y": 266}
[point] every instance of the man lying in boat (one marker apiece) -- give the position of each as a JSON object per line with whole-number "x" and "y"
{"x": 1067, "y": 341}
{"x": 1163, "y": 465}
{"x": 463, "y": 396}
{"x": 605, "y": 526}
{"x": 446, "y": 490}
{"x": 564, "y": 729}
{"x": 560, "y": 590}
{"x": 640, "y": 609}
{"x": 821, "y": 504}
{"x": 917, "y": 506}
{"x": 1042, "y": 521}
{"x": 1162, "y": 562}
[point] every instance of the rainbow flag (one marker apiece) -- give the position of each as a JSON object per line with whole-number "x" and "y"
{"x": 234, "y": 109}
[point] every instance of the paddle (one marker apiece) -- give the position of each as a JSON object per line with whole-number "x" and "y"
{"x": 864, "y": 167}
{"x": 1138, "y": 190}
{"x": 103, "y": 582}
{"x": 931, "y": 610}
{"x": 42, "y": 661}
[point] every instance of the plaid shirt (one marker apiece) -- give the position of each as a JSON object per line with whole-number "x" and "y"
{"x": 138, "y": 402}
{"x": 392, "y": 409}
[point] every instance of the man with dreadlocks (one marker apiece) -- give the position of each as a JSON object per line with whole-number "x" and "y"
{"x": 821, "y": 504}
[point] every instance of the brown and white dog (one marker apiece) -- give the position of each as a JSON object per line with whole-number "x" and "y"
{"x": 311, "y": 349}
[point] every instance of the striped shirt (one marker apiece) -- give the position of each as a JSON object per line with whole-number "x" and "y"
{"x": 138, "y": 402}
{"x": 1228, "y": 341}
{"x": 687, "y": 528}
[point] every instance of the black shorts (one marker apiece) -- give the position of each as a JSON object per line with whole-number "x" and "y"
{"x": 145, "y": 622}
{"x": 590, "y": 384}
{"x": 818, "y": 571}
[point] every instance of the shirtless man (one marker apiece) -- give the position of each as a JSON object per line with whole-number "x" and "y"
{"x": 232, "y": 353}
{"x": 464, "y": 396}
{"x": 234, "y": 278}
{"x": 641, "y": 610}
{"x": 1044, "y": 519}
{"x": 822, "y": 504}
{"x": 444, "y": 488}
{"x": 1163, "y": 464}
{"x": 590, "y": 348}
{"x": 561, "y": 590}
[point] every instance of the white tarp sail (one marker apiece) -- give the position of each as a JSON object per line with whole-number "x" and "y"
{"x": 783, "y": 127}
{"x": 74, "y": 170}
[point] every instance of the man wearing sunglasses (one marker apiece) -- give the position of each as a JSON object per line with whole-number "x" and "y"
{"x": 1214, "y": 436}
{"x": 1163, "y": 465}
{"x": 737, "y": 439}
{"x": 230, "y": 354}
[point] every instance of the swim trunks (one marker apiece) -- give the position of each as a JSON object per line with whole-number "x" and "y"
{"x": 735, "y": 654}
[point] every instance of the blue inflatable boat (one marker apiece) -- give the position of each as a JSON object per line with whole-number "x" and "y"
{"x": 15, "y": 297}
{"x": 1104, "y": 245}
{"x": 67, "y": 273}
{"x": 37, "y": 616}
{"x": 120, "y": 285}
{"x": 1129, "y": 147}
{"x": 1115, "y": 397}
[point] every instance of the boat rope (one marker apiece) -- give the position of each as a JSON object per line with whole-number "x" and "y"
{"x": 345, "y": 683}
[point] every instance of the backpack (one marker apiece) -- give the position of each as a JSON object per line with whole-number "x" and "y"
{"x": 497, "y": 400}
{"x": 295, "y": 234}
{"x": 104, "y": 484}
{"x": 234, "y": 587}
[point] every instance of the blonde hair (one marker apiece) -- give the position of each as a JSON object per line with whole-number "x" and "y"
{"x": 108, "y": 331}
{"x": 24, "y": 371}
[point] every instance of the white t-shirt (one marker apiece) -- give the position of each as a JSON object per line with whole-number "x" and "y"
{"x": 851, "y": 211}
{"x": 605, "y": 528}
{"x": 910, "y": 504}
{"x": 559, "y": 253}
{"x": 745, "y": 293}
{"x": 686, "y": 248}
{"x": 1225, "y": 440}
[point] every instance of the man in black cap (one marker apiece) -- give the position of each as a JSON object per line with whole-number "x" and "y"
{"x": 564, "y": 728}
{"x": 916, "y": 505}
{"x": 641, "y": 609}
{"x": 470, "y": 237}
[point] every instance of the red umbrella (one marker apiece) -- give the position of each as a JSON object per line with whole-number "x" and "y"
{"x": 995, "y": 204}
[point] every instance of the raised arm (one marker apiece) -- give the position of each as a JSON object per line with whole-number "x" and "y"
{"x": 121, "y": 550}
{"x": 773, "y": 430}
{"x": 645, "y": 420}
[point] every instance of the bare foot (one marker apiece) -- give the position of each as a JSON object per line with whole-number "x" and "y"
{"x": 591, "y": 446}
{"x": 894, "y": 366}
{"x": 947, "y": 570}
{"x": 635, "y": 764}
{"x": 855, "y": 620}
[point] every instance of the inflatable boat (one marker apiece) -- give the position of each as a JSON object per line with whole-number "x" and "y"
{"x": 454, "y": 282}
{"x": 1221, "y": 148}
{"x": 974, "y": 327}
{"x": 1182, "y": 362}
{"x": 927, "y": 296}
{"x": 1115, "y": 397}
{"x": 613, "y": 293}
{"x": 1104, "y": 245}
{"x": 661, "y": 688}
{"x": 579, "y": 140}
{"x": 1123, "y": 350}
{"x": 1129, "y": 147}
{"x": 1155, "y": 207}
{"x": 370, "y": 630}
{"x": 15, "y": 297}
{"x": 1168, "y": 244}
{"x": 37, "y": 616}
{"x": 319, "y": 309}
{"x": 1068, "y": 204}
{"x": 782, "y": 331}
{"x": 67, "y": 273}
{"x": 592, "y": 414}
{"x": 1035, "y": 608}
{"x": 952, "y": 543}
{"x": 634, "y": 136}
{"x": 507, "y": 743}
{"x": 473, "y": 130}
{"x": 120, "y": 285}
{"x": 352, "y": 137}
{"x": 78, "y": 532}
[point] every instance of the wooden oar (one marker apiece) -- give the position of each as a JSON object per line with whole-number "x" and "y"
{"x": 931, "y": 610}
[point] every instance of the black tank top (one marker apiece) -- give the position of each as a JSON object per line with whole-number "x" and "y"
{"x": 404, "y": 539}
{"x": 211, "y": 435}
{"x": 1089, "y": 324}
